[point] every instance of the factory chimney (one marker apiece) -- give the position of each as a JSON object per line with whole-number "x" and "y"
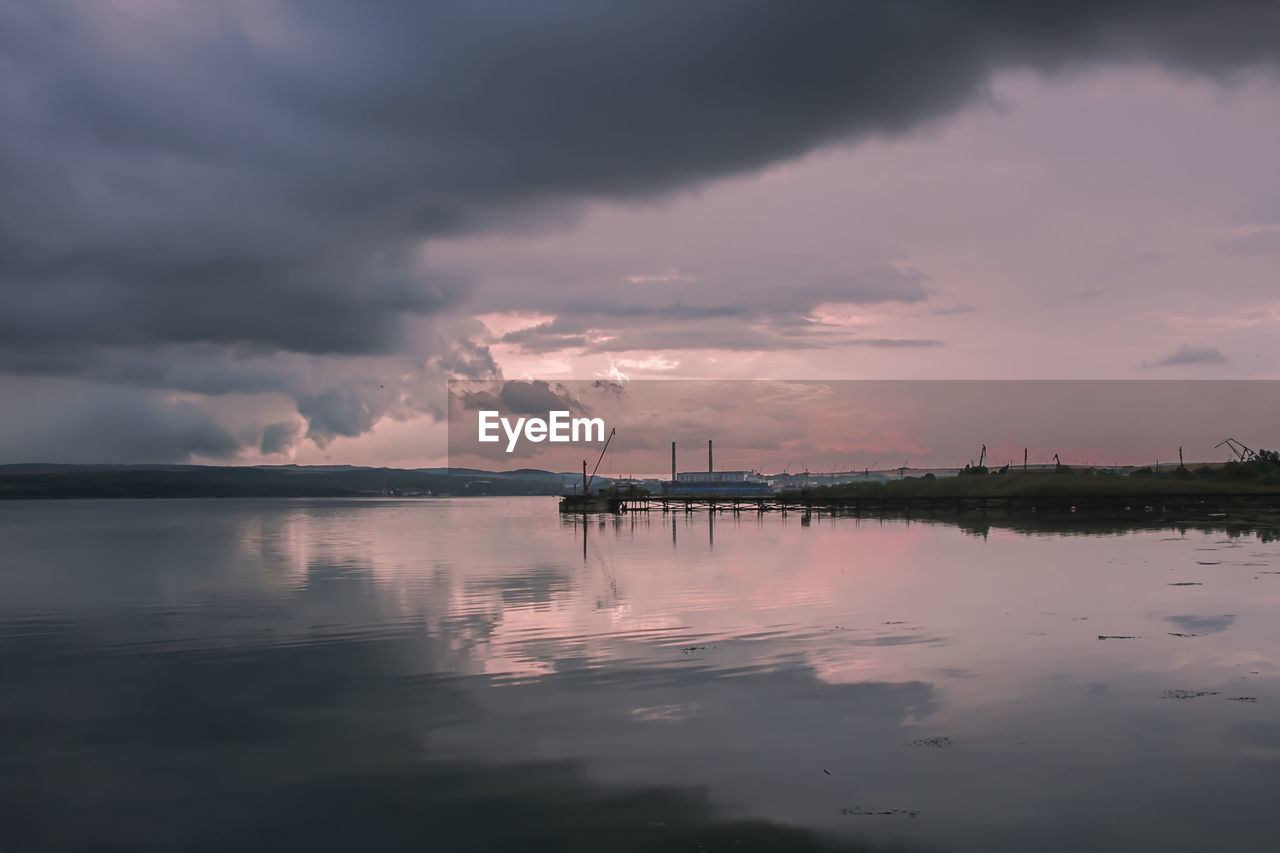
{"x": 673, "y": 461}
{"x": 711, "y": 468}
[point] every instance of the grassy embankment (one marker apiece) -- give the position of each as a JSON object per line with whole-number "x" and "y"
{"x": 1068, "y": 483}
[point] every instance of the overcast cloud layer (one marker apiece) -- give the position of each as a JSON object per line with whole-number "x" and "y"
{"x": 221, "y": 218}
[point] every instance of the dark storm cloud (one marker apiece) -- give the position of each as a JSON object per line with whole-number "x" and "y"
{"x": 253, "y": 172}
{"x": 327, "y": 304}
{"x": 93, "y": 424}
{"x": 518, "y": 397}
{"x": 729, "y": 331}
{"x": 1186, "y": 355}
{"x": 278, "y": 437}
{"x": 745, "y": 339}
{"x": 760, "y": 303}
{"x": 337, "y": 412}
{"x": 895, "y": 343}
{"x": 259, "y": 176}
{"x": 468, "y": 359}
{"x": 1203, "y": 624}
{"x": 531, "y": 398}
{"x": 543, "y": 338}
{"x": 952, "y": 311}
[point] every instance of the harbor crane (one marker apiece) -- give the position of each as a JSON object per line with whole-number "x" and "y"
{"x": 586, "y": 482}
{"x": 1243, "y": 453}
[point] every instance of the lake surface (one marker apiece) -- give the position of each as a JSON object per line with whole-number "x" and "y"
{"x": 479, "y": 675}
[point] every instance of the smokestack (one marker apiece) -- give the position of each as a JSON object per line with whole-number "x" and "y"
{"x": 711, "y": 468}
{"x": 673, "y": 461}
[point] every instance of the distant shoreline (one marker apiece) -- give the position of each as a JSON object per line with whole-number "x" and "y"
{"x": 51, "y": 482}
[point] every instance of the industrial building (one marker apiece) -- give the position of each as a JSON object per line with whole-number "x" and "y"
{"x": 711, "y": 481}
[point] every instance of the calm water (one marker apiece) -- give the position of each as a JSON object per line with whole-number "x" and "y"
{"x": 473, "y": 675}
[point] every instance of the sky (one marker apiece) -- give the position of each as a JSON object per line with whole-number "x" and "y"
{"x": 834, "y": 425}
{"x": 271, "y": 232}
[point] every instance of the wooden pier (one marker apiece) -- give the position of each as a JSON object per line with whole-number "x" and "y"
{"x": 786, "y": 503}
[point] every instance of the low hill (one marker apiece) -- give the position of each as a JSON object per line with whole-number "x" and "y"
{"x": 192, "y": 481}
